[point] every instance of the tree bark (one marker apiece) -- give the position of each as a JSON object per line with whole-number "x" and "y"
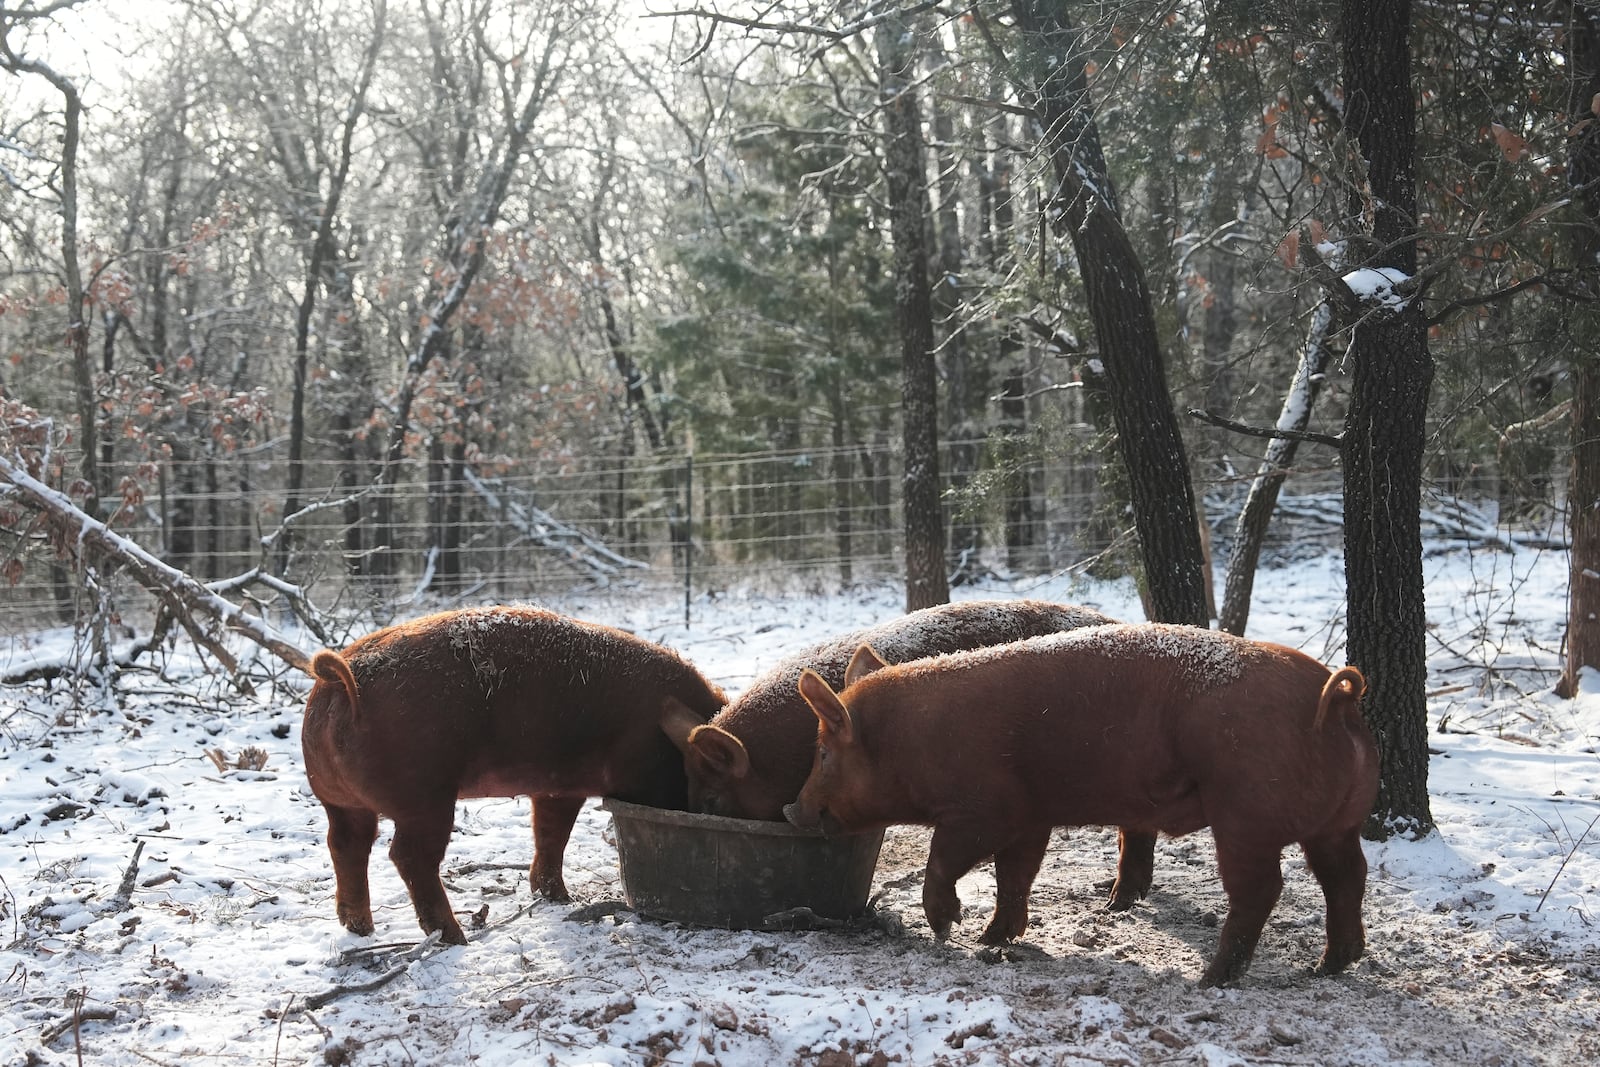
{"x": 1583, "y": 486}
{"x": 926, "y": 582}
{"x": 1149, "y": 441}
{"x": 1384, "y": 428}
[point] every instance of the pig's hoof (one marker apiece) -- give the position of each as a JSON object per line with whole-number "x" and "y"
{"x": 1337, "y": 957}
{"x": 360, "y": 925}
{"x": 1004, "y": 926}
{"x": 449, "y": 935}
{"x": 1124, "y": 897}
{"x": 551, "y": 889}
{"x": 1223, "y": 973}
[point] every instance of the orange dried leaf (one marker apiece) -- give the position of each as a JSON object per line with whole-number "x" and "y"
{"x": 1289, "y": 249}
{"x": 1512, "y": 146}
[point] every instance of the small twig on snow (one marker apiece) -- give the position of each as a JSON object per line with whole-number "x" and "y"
{"x": 124, "y": 898}
{"x": 1565, "y": 860}
{"x": 429, "y": 946}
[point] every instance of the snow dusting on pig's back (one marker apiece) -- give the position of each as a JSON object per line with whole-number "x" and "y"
{"x": 934, "y": 631}
{"x": 1187, "y": 658}
{"x": 490, "y": 648}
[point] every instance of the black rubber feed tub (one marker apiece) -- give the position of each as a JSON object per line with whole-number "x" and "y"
{"x": 708, "y": 870}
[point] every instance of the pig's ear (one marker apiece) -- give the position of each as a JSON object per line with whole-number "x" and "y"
{"x": 864, "y": 662}
{"x": 719, "y": 751}
{"x": 678, "y": 721}
{"x": 835, "y": 718}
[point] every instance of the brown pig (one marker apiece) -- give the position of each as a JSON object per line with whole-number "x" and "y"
{"x": 487, "y": 702}
{"x": 1146, "y": 726}
{"x": 753, "y": 756}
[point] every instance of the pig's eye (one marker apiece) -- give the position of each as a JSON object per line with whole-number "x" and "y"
{"x": 822, "y": 755}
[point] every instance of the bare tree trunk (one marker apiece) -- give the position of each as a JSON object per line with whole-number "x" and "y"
{"x": 72, "y": 272}
{"x": 465, "y": 251}
{"x": 926, "y": 582}
{"x": 1383, "y": 437}
{"x": 1148, "y": 437}
{"x": 1256, "y": 515}
{"x": 1583, "y": 487}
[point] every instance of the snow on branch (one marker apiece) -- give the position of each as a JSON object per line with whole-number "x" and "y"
{"x": 582, "y": 550}
{"x": 200, "y": 610}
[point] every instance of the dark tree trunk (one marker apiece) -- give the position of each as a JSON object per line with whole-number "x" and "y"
{"x": 1583, "y": 487}
{"x": 1148, "y": 437}
{"x": 964, "y": 385}
{"x": 926, "y": 583}
{"x": 1385, "y": 425}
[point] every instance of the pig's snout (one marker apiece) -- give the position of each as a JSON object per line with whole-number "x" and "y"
{"x": 798, "y": 816}
{"x": 805, "y": 819}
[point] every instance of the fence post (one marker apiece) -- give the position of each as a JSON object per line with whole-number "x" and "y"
{"x": 688, "y": 534}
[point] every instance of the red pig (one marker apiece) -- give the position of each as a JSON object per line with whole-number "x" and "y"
{"x": 1147, "y": 726}
{"x": 752, "y": 758}
{"x": 487, "y": 702}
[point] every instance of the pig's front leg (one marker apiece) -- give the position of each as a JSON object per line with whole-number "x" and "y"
{"x": 553, "y": 818}
{"x": 954, "y": 851}
{"x": 1015, "y": 867}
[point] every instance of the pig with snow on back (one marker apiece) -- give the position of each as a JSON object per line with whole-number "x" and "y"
{"x": 752, "y": 758}
{"x": 487, "y": 702}
{"x": 1155, "y": 727}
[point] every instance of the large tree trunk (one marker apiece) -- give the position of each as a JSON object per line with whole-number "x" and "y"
{"x": 926, "y": 583}
{"x": 1383, "y": 437}
{"x": 1148, "y": 437}
{"x": 1583, "y": 486}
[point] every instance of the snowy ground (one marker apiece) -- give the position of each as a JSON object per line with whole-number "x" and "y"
{"x": 1484, "y": 939}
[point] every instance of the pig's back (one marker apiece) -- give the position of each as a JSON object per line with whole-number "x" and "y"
{"x": 1143, "y": 725}
{"x": 779, "y": 729}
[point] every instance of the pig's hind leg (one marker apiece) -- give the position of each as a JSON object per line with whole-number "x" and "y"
{"x": 1252, "y": 876}
{"x": 1136, "y": 866}
{"x": 351, "y": 832}
{"x": 553, "y": 818}
{"x": 1015, "y": 868}
{"x": 420, "y": 839}
{"x": 1340, "y": 867}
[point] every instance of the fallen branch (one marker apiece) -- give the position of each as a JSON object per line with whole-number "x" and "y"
{"x": 79, "y": 1015}
{"x": 188, "y": 600}
{"x": 574, "y": 545}
{"x": 429, "y": 946}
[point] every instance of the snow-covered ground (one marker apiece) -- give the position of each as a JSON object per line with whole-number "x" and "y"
{"x": 1484, "y": 939}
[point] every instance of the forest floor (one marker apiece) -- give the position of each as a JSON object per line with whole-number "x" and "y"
{"x": 156, "y": 910}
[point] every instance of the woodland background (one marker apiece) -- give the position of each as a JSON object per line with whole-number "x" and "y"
{"x": 348, "y": 305}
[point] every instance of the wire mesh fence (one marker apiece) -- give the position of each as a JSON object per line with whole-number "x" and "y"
{"x": 441, "y": 531}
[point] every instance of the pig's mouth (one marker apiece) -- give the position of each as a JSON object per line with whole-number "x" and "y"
{"x": 821, "y": 819}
